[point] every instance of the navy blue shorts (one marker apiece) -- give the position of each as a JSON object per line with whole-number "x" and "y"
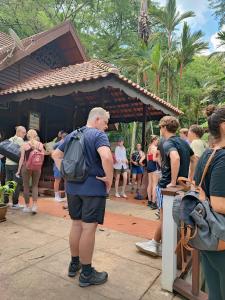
{"x": 137, "y": 170}
{"x": 151, "y": 166}
{"x": 89, "y": 209}
{"x": 56, "y": 173}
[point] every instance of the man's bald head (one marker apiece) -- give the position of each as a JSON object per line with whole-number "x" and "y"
{"x": 21, "y": 131}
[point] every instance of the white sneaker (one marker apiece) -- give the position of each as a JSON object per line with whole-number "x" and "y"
{"x": 150, "y": 247}
{"x": 117, "y": 195}
{"x": 58, "y": 199}
{"x": 26, "y": 209}
{"x": 34, "y": 209}
{"x": 124, "y": 195}
{"x": 17, "y": 206}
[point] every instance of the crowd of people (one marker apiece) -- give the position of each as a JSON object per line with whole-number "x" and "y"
{"x": 168, "y": 157}
{"x": 27, "y": 177}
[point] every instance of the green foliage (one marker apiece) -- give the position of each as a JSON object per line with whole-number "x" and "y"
{"x": 7, "y": 189}
{"x": 219, "y": 11}
{"x": 197, "y": 88}
{"x": 167, "y": 66}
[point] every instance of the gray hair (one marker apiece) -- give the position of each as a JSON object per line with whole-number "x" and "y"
{"x": 98, "y": 112}
{"x": 20, "y": 128}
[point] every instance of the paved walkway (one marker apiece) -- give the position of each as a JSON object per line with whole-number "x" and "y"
{"x": 34, "y": 255}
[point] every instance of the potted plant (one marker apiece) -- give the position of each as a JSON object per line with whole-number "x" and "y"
{"x": 5, "y": 192}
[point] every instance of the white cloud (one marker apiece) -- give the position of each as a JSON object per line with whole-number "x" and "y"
{"x": 199, "y": 7}
{"x": 205, "y": 52}
{"x": 216, "y": 42}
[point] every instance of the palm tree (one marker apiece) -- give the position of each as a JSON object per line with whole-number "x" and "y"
{"x": 191, "y": 44}
{"x": 169, "y": 17}
{"x": 137, "y": 63}
{"x": 220, "y": 54}
{"x": 157, "y": 65}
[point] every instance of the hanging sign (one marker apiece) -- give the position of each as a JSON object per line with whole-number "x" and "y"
{"x": 34, "y": 121}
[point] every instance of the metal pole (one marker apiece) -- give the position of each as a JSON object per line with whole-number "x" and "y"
{"x": 144, "y": 126}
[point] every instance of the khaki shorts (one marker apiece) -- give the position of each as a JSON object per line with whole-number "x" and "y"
{"x": 120, "y": 171}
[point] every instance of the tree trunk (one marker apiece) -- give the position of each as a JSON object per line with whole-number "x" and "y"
{"x": 133, "y": 138}
{"x": 168, "y": 65}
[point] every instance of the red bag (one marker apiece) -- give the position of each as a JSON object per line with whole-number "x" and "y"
{"x": 35, "y": 160}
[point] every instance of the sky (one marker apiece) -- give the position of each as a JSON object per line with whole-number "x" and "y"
{"x": 202, "y": 21}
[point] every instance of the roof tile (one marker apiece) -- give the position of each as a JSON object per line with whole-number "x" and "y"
{"x": 90, "y": 70}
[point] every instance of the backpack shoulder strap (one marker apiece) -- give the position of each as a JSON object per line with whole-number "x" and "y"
{"x": 207, "y": 166}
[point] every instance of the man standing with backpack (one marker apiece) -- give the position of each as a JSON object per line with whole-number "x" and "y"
{"x": 178, "y": 160}
{"x": 86, "y": 154}
{"x": 11, "y": 166}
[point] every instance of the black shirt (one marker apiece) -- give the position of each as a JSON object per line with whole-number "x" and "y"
{"x": 136, "y": 157}
{"x": 214, "y": 183}
{"x": 174, "y": 143}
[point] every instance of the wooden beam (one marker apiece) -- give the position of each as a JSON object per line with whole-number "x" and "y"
{"x": 195, "y": 272}
{"x": 185, "y": 289}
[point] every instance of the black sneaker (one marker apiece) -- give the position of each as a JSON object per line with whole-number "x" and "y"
{"x": 149, "y": 203}
{"x": 154, "y": 206}
{"x": 73, "y": 269}
{"x": 95, "y": 278}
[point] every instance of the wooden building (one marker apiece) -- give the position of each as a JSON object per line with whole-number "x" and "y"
{"x": 51, "y": 85}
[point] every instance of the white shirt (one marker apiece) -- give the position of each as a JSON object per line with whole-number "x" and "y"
{"x": 120, "y": 156}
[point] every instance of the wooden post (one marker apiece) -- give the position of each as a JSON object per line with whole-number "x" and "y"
{"x": 144, "y": 126}
{"x": 195, "y": 272}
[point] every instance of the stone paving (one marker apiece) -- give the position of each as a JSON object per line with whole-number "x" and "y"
{"x": 34, "y": 256}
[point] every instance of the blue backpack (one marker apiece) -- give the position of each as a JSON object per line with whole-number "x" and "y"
{"x": 74, "y": 167}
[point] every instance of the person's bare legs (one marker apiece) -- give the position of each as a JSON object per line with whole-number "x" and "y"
{"x": 149, "y": 188}
{"x": 154, "y": 179}
{"x": 124, "y": 184}
{"x": 56, "y": 184}
{"x": 74, "y": 238}
{"x": 117, "y": 184}
{"x": 139, "y": 179}
{"x": 134, "y": 177}
{"x": 158, "y": 233}
{"x": 87, "y": 242}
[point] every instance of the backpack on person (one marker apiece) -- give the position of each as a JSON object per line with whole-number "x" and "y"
{"x": 35, "y": 159}
{"x": 200, "y": 226}
{"x": 74, "y": 167}
{"x": 10, "y": 150}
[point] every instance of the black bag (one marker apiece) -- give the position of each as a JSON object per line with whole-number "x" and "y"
{"x": 10, "y": 150}
{"x": 74, "y": 167}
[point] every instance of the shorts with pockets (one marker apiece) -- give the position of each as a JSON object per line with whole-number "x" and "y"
{"x": 89, "y": 209}
{"x": 56, "y": 173}
{"x": 137, "y": 170}
{"x": 120, "y": 171}
{"x": 151, "y": 166}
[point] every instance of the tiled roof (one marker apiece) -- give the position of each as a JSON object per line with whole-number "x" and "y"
{"x": 10, "y": 54}
{"x": 86, "y": 71}
{"x": 5, "y": 40}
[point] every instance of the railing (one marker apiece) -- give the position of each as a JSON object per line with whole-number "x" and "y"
{"x": 172, "y": 280}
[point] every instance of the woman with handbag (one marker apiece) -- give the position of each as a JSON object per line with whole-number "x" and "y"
{"x": 214, "y": 188}
{"x": 30, "y": 164}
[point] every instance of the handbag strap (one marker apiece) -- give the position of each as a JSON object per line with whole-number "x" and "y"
{"x": 207, "y": 166}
